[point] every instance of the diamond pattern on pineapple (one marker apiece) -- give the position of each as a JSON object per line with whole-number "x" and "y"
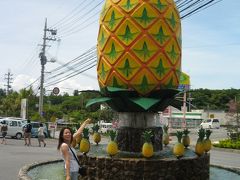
{"x": 173, "y": 51}
{"x": 105, "y": 8}
{"x": 172, "y": 18}
{"x": 128, "y": 5}
{"x": 145, "y": 15}
{"x": 160, "y": 32}
{"x": 144, "y": 82}
{"x": 103, "y": 70}
{"x": 112, "y": 19}
{"x": 102, "y": 37}
{"x": 171, "y": 81}
{"x": 160, "y": 66}
{"x": 115, "y": 80}
{"x": 127, "y": 66}
{"x": 161, "y": 5}
{"x": 112, "y": 51}
{"x": 179, "y": 36}
{"x": 144, "y": 49}
{"x": 127, "y": 32}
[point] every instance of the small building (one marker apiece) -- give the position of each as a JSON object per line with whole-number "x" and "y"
{"x": 179, "y": 119}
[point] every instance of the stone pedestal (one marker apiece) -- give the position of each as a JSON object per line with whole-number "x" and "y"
{"x": 191, "y": 168}
{"x": 131, "y": 127}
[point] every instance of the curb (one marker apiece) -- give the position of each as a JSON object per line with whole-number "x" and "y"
{"x": 23, "y": 172}
{"x": 229, "y": 168}
{"x": 226, "y": 149}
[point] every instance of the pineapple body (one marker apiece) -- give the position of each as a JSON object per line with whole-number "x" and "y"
{"x": 96, "y": 137}
{"x": 84, "y": 145}
{"x": 178, "y": 149}
{"x": 147, "y": 150}
{"x": 186, "y": 141}
{"x": 165, "y": 139}
{"x": 207, "y": 144}
{"x": 139, "y": 45}
{"x": 112, "y": 148}
{"x": 199, "y": 148}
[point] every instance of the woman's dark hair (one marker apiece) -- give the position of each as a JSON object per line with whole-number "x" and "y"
{"x": 60, "y": 139}
{"x": 41, "y": 125}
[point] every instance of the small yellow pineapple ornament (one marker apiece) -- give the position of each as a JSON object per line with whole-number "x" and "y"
{"x": 165, "y": 135}
{"x": 207, "y": 144}
{"x": 199, "y": 148}
{"x": 147, "y": 149}
{"x": 186, "y": 138}
{"x": 112, "y": 147}
{"x": 178, "y": 148}
{"x": 85, "y": 144}
{"x": 96, "y": 134}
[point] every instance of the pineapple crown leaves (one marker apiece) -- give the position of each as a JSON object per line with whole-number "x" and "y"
{"x": 208, "y": 133}
{"x": 147, "y": 135}
{"x": 95, "y": 128}
{"x": 179, "y": 136}
{"x": 165, "y": 128}
{"x": 201, "y": 134}
{"x": 112, "y": 134}
{"x": 86, "y": 133}
{"x": 186, "y": 131}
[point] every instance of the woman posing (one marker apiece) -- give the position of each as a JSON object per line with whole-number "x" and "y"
{"x": 66, "y": 137}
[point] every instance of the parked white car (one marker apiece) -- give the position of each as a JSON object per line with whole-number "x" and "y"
{"x": 14, "y": 127}
{"x": 210, "y": 123}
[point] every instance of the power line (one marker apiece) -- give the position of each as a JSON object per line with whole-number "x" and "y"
{"x": 69, "y": 15}
{"x": 74, "y": 19}
{"x": 73, "y": 26}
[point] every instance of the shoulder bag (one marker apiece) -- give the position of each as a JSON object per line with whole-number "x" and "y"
{"x": 82, "y": 169}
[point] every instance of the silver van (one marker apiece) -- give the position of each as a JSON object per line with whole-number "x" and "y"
{"x": 14, "y": 127}
{"x": 210, "y": 123}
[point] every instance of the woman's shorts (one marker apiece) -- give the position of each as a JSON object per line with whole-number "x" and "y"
{"x": 27, "y": 135}
{"x": 40, "y": 137}
{"x": 4, "y": 134}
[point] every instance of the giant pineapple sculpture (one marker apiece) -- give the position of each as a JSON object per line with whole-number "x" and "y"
{"x": 139, "y": 52}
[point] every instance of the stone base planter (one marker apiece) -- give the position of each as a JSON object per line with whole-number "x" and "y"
{"x": 190, "y": 168}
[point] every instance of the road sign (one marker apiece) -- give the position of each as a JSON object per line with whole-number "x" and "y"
{"x": 56, "y": 90}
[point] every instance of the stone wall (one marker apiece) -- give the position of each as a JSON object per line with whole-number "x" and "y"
{"x": 104, "y": 168}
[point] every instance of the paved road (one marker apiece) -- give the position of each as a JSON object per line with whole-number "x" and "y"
{"x": 15, "y": 155}
{"x": 225, "y": 158}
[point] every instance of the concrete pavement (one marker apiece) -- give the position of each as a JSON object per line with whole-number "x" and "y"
{"x": 15, "y": 155}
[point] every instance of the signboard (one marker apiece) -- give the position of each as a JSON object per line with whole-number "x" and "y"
{"x": 52, "y": 126}
{"x": 24, "y": 108}
{"x": 56, "y": 90}
{"x": 184, "y": 83}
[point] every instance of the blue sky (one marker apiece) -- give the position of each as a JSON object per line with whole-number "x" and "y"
{"x": 210, "y": 53}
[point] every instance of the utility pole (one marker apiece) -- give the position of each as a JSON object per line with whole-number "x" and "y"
{"x": 8, "y": 77}
{"x": 43, "y": 60}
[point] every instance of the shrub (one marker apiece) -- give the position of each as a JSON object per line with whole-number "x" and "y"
{"x": 228, "y": 143}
